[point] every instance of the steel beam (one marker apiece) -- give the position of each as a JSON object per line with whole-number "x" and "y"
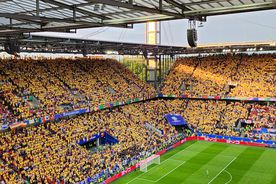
{"x": 5, "y": 29}
{"x": 205, "y": 2}
{"x": 161, "y": 5}
{"x": 137, "y": 7}
{"x": 160, "y": 12}
{"x": 63, "y": 5}
{"x": 231, "y": 10}
{"x": 37, "y": 7}
{"x": 57, "y": 8}
{"x": 178, "y": 5}
{"x": 41, "y": 20}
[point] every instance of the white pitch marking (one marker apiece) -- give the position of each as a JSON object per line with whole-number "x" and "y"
{"x": 230, "y": 177}
{"x": 145, "y": 180}
{"x": 160, "y": 163}
{"x": 222, "y": 170}
{"x": 170, "y": 172}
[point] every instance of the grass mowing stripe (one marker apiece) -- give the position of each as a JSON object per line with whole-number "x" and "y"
{"x": 161, "y": 170}
{"x": 170, "y": 154}
{"x": 158, "y": 170}
{"x": 173, "y": 152}
{"x": 147, "y": 180}
{"x": 263, "y": 170}
{"x": 242, "y": 164}
{"x": 195, "y": 163}
{"x": 204, "y": 160}
{"x": 170, "y": 172}
{"x": 215, "y": 165}
{"x": 273, "y": 180}
{"x": 222, "y": 170}
{"x": 153, "y": 167}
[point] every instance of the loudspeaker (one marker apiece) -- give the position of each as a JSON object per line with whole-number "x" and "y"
{"x": 84, "y": 50}
{"x": 12, "y": 47}
{"x": 145, "y": 54}
{"x": 192, "y": 37}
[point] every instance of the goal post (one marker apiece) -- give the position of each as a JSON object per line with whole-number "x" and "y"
{"x": 144, "y": 164}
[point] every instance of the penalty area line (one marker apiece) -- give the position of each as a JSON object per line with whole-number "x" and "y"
{"x": 145, "y": 180}
{"x": 230, "y": 177}
{"x": 170, "y": 158}
{"x": 169, "y": 172}
{"x": 223, "y": 169}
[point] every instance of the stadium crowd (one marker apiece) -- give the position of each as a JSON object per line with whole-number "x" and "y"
{"x": 223, "y": 75}
{"x": 48, "y": 87}
{"x": 215, "y": 117}
{"x": 50, "y": 153}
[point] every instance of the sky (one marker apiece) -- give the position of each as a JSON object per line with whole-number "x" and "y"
{"x": 243, "y": 27}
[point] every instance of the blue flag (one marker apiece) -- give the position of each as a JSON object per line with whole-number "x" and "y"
{"x": 175, "y": 119}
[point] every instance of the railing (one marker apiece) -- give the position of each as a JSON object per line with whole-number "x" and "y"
{"x": 206, "y": 97}
{"x": 44, "y": 119}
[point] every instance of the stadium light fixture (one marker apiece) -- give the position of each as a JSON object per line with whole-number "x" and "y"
{"x": 200, "y": 25}
{"x": 110, "y": 52}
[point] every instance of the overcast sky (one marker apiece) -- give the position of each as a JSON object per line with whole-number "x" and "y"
{"x": 244, "y": 27}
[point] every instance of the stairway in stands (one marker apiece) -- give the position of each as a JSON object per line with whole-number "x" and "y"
{"x": 270, "y": 67}
{"x": 227, "y": 88}
{"x": 76, "y": 93}
{"x": 107, "y": 88}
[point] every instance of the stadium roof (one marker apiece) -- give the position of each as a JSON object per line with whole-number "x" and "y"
{"x": 53, "y": 44}
{"x": 19, "y": 16}
{"x": 234, "y": 47}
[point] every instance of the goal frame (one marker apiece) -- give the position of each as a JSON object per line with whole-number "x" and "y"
{"x": 144, "y": 164}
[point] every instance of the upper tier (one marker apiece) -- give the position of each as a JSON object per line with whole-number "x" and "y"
{"x": 223, "y": 75}
{"x": 47, "y": 87}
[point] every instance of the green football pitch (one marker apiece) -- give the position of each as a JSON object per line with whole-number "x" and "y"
{"x": 199, "y": 162}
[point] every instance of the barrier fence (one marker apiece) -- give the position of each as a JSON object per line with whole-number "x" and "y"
{"x": 31, "y": 121}
{"x": 206, "y": 97}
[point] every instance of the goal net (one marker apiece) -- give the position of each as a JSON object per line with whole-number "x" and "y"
{"x": 154, "y": 159}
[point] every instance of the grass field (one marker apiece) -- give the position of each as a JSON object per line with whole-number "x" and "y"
{"x": 200, "y": 162}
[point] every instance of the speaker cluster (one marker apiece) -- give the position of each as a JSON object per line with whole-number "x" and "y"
{"x": 192, "y": 37}
{"x": 12, "y": 47}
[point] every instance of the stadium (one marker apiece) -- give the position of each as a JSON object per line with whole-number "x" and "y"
{"x": 81, "y": 106}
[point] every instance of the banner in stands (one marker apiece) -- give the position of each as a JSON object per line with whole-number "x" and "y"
{"x": 107, "y": 139}
{"x": 236, "y": 139}
{"x": 86, "y": 140}
{"x": 76, "y": 112}
{"x": 17, "y": 125}
{"x": 5, "y": 126}
{"x": 270, "y": 131}
{"x": 57, "y": 116}
{"x": 27, "y": 122}
{"x": 175, "y": 119}
{"x": 127, "y": 101}
{"x": 217, "y": 97}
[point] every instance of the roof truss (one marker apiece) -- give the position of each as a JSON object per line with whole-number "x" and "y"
{"x": 18, "y": 16}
